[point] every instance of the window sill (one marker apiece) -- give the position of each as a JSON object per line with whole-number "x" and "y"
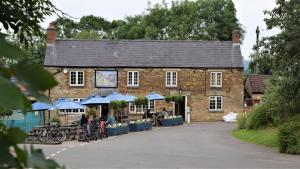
{"x": 132, "y": 86}
{"x": 171, "y": 87}
{"x": 216, "y": 111}
{"x": 76, "y": 85}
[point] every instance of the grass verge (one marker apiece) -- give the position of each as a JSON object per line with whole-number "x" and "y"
{"x": 267, "y": 137}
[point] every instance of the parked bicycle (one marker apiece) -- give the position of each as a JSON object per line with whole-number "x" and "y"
{"x": 52, "y": 133}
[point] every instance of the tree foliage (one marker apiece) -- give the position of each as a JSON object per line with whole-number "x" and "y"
{"x": 181, "y": 20}
{"x": 23, "y": 17}
{"x": 283, "y": 95}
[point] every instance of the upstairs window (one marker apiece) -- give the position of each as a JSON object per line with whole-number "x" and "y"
{"x": 76, "y": 78}
{"x": 216, "y": 79}
{"x": 133, "y": 78}
{"x": 215, "y": 103}
{"x": 171, "y": 79}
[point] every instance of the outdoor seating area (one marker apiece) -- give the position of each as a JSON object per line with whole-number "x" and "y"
{"x": 112, "y": 123}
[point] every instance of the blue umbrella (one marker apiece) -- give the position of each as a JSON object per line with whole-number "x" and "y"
{"x": 67, "y": 104}
{"x": 62, "y": 104}
{"x": 154, "y": 96}
{"x": 129, "y": 98}
{"x": 40, "y": 106}
{"x": 95, "y": 100}
{"x": 115, "y": 97}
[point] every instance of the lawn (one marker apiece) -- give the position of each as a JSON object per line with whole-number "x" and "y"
{"x": 267, "y": 137}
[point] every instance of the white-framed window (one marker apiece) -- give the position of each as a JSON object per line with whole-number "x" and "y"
{"x": 216, "y": 79}
{"x": 133, "y": 109}
{"x": 133, "y": 78}
{"x": 76, "y": 78}
{"x": 215, "y": 103}
{"x": 73, "y": 111}
{"x": 171, "y": 79}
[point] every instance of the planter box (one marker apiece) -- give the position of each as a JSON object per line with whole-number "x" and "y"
{"x": 140, "y": 126}
{"x": 171, "y": 122}
{"x": 111, "y": 131}
{"x": 117, "y": 131}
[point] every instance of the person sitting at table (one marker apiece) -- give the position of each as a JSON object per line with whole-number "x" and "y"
{"x": 110, "y": 119}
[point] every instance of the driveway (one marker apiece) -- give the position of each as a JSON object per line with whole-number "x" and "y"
{"x": 197, "y": 145}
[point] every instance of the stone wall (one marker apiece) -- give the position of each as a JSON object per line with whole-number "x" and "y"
{"x": 195, "y": 84}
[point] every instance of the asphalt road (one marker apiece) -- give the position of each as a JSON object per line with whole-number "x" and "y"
{"x": 198, "y": 145}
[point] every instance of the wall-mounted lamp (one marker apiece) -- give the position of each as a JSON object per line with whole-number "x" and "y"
{"x": 180, "y": 90}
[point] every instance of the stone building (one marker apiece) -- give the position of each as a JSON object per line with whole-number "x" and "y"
{"x": 255, "y": 87}
{"x": 208, "y": 74}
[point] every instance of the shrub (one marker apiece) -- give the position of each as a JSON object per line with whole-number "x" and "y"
{"x": 262, "y": 117}
{"x": 289, "y": 137}
{"x": 241, "y": 121}
{"x": 141, "y": 101}
{"x": 55, "y": 119}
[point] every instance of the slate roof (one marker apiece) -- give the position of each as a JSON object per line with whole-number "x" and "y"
{"x": 258, "y": 83}
{"x": 144, "y": 53}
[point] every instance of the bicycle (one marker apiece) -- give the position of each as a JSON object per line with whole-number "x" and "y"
{"x": 52, "y": 133}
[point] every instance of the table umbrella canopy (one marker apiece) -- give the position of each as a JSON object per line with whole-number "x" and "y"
{"x": 129, "y": 98}
{"x": 154, "y": 96}
{"x": 40, "y": 106}
{"x": 67, "y": 104}
{"x": 115, "y": 97}
{"x": 94, "y": 100}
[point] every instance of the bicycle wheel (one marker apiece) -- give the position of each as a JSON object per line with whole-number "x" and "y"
{"x": 43, "y": 135}
{"x": 61, "y": 135}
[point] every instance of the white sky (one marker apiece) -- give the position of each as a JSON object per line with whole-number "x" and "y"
{"x": 249, "y": 13}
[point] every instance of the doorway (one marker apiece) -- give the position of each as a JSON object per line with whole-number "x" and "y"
{"x": 104, "y": 110}
{"x": 180, "y": 108}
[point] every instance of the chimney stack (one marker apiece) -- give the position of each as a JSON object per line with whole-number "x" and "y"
{"x": 236, "y": 37}
{"x": 51, "y": 35}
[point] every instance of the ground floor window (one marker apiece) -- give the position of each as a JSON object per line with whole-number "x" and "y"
{"x": 133, "y": 109}
{"x": 73, "y": 111}
{"x": 216, "y": 103}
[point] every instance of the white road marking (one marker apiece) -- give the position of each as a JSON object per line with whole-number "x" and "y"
{"x": 52, "y": 155}
{"x": 58, "y": 152}
{"x": 64, "y": 149}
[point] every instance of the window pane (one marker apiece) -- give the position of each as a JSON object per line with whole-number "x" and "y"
{"x": 213, "y": 79}
{"x": 129, "y": 78}
{"x": 80, "y": 78}
{"x": 174, "y": 79}
{"x": 219, "y": 103}
{"x": 73, "y": 78}
{"x": 168, "y": 78}
{"x": 135, "y": 78}
{"x": 212, "y": 103}
{"x": 219, "y": 79}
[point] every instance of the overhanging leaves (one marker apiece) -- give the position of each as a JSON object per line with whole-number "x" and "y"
{"x": 8, "y": 91}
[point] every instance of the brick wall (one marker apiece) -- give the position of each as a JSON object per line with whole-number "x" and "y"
{"x": 195, "y": 84}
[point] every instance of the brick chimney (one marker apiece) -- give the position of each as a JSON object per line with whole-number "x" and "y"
{"x": 236, "y": 37}
{"x": 51, "y": 35}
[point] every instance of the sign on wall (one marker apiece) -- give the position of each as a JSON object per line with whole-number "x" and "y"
{"x": 106, "y": 78}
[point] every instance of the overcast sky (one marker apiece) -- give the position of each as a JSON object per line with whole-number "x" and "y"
{"x": 249, "y": 13}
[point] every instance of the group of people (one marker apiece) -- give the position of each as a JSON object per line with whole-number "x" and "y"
{"x": 95, "y": 127}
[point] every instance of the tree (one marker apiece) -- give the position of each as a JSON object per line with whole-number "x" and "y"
{"x": 23, "y": 17}
{"x": 283, "y": 95}
{"x": 184, "y": 20}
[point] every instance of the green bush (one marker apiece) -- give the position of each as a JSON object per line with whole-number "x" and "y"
{"x": 55, "y": 119}
{"x": 241, "y": 121}
{"x": 262, "y": 117}
{"x": 289, "y": 137}
{"x": 141, "y": 101}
